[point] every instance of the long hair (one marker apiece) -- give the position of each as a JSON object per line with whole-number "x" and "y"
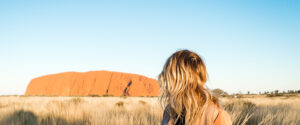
{"x": 182, "y": 86}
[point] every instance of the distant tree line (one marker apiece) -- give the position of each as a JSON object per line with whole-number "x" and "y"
{"x": 282, "y": 92}
{"x": 279, "y": 93}
{"x": 219, "y": 92}
{"x": 222, "y": 93}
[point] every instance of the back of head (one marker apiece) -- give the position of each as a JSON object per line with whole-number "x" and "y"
{"x": 182, "y": 85}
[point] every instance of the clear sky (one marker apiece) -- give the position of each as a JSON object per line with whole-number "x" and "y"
{"x": 249, "y": 45}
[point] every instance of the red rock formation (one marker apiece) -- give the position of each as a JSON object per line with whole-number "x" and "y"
{"x": 93, "y": 83}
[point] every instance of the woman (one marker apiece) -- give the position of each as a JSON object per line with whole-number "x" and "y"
{"x": 187, "y": 100}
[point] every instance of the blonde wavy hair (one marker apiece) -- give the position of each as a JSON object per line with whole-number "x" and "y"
{"x": 182, "y": 86}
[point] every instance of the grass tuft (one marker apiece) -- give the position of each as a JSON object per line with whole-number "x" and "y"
{"x": 120, "y": 104}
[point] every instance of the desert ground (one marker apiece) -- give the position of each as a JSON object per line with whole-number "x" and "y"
{"x": 41, "y": 110}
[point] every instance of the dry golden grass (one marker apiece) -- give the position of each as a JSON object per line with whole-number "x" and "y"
{"x": 20, "y": 110}
{"x": 16, "y": 110}
{"x": 262, "y": 110}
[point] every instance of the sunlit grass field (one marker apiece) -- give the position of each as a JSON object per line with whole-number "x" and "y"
{"x": 35, "y": 110}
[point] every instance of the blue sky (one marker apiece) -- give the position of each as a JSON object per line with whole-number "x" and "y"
{"x": 247, "y": 45}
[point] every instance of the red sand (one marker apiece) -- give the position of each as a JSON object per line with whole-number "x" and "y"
{"x": 93, "y": 83}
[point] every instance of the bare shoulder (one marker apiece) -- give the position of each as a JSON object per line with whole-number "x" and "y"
{"x": 214, "y": 115}
{"x": 223, "y": 118}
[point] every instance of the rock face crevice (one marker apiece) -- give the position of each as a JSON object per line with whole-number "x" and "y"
{"x": 93, "y": 83}
{"x": 126, "y": 90}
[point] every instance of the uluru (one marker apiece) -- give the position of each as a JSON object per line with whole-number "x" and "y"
{"x": 93, "y": 83}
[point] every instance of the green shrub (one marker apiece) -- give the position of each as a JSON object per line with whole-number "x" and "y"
{"x": 107, "y": 95}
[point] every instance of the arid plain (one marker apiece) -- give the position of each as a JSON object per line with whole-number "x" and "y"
{"x": 54, "y": 110}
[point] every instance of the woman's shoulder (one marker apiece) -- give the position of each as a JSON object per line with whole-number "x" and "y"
{"x": 222, "y": 118}
{"x": 211, "y": 113}
{"x": 214, "y": 115}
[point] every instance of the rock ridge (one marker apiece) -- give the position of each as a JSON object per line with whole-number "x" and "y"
{"x": 93, "y": 83}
